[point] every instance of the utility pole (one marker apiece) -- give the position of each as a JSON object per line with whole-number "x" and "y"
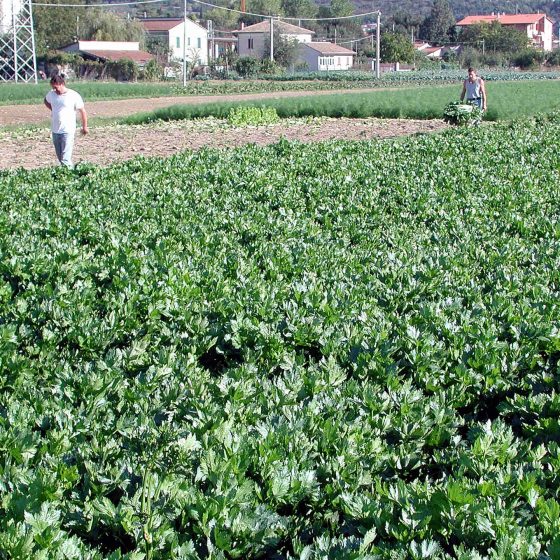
{"x": 378, "y": 47}
{"x": 271, "y": 39}
{"x": 184, "y": 43}
{"x": 210, "y": 27}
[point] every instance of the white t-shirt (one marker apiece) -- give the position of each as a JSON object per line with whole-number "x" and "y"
{"x": 64, "y": 107}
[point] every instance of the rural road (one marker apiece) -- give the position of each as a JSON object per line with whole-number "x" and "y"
{"x": 19, "y": 115}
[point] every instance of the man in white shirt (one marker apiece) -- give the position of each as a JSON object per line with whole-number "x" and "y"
{"x": 63, "y": 104}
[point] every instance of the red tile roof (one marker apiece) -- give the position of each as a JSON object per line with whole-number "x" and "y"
{"x": 328, "y": 48}
{"x": 287, "y": 28}
{"x": 506, "y": 19}
{"x": 160, "y": 24}
{"x": 136, "y": 56}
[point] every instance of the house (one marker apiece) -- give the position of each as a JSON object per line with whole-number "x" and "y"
{"x": 321, "y": 56}
{"x": 221, "y": 43}
{"x": 251, "y": 40}
{"x": 193, "y": 38}
{"x": 538, "y": 27}
{"x": 421, "y": 45}
{"x": 113, "y": 51}
{"x": 434, "y": 53}
{"x": 386, "y": 67}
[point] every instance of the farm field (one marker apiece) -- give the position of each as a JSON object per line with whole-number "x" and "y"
{"x": 420, "y": 102}
{"x": 92, "y": 90}
{"x": 344, "y": 350}
{"x": 14, "y": 116}
{"x": 32, "y": 148}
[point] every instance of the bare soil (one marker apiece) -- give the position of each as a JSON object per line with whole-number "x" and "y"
{"x": 31, "y": 148}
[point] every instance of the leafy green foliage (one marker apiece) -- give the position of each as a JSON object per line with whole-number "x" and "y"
{"x": 439, "y": 23}
{"x": 458, "y": 113}
{"x": 341, "y": 350}
{"x": 396, "y": 47}
{"x": 420, "y": 103}
{"x": 496, "y": 37}
{"x": 242, "y": 115}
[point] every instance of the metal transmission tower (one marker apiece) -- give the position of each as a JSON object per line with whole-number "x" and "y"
{"x": 17, "y": 42}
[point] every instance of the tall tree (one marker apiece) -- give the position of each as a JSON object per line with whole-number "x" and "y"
{"x": 99, "y": 25}
{"x": 496, "y": 37}
{"x": 396, "y": 47}
{"x": 264, "y": 7}
{"x": 439, "y": 24}
{"x": 338, "y": 28}
{"x": 223, "y": 19}
{"x": 299, "y": 8}
{"x": 56, "y": 26}
{"x": 405, "y": 22}
{"x": 285, "y": 49}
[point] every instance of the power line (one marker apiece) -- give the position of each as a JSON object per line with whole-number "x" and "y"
{"x": 53, "y": 5}
{"x": 264, "y": 16}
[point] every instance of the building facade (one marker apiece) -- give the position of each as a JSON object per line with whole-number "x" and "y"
{"x": 252, "y": 40}
{"x": 538, "y": 27}
{"x": 192, "y": 39}
{"x": 324, "y": 56}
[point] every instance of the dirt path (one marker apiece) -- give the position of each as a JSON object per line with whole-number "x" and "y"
{"x": 36, "y": 114}
{"x": 32, "y": 148}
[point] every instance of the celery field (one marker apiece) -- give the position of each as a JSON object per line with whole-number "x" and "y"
{"x": 342, "y": 350}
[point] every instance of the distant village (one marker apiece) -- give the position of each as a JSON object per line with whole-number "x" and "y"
{"x": 183, "y": 42}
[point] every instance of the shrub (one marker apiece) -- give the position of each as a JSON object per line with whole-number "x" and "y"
{"x": 553, "y": 58}
{"x": 247, "y": 66}
{"x": 124, "y": 70}
{"x": 270, "y": 67}
{"x": 529, "y": 58}
{"x": 152, "y": 71}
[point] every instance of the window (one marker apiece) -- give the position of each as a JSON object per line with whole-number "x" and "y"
{"x": 178, "y": 42}
{"x": 199, "y": 43}
{"x": 189, "y": 41}
{"x": 326, "y": 61}
{"x": 250, "y": 44}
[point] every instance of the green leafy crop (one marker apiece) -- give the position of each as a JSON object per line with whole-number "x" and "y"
{"x": 462, "y": 114}
{"x": 346, "y": 350}
{"x": 243, "y": 115}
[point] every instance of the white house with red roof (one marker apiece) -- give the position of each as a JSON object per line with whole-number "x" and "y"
{"x": 109, "y": 51}
{"x": 537, "y": 26}
{"x": 193, "y": 38}
{"x": 251, "y": 40}
{"x": 324, "y": 56}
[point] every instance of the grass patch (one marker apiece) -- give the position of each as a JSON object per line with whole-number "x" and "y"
{"x": 507, "y": 100}
{"x": 12, "y": 94}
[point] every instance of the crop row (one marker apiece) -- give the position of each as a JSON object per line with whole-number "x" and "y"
{"x": 30, "y": 93}
{"x": 418, "y": 103}
{"x": 340, "y": 350}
